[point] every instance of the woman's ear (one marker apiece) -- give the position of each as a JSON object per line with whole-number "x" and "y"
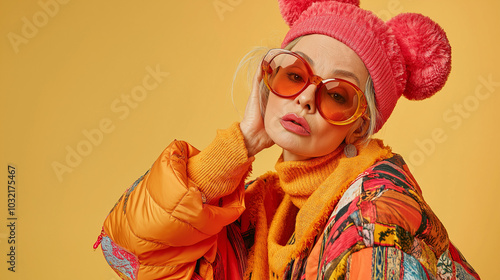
{"x": 358, "y": 130}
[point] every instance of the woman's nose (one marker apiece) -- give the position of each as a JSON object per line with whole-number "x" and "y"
{"x": 306, "y": 99}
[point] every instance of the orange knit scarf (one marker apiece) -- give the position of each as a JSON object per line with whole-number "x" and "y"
{"x": 312, "y": 189}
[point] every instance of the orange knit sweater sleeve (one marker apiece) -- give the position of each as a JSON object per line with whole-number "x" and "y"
{"x": 163, "y": 224}
{"x": 222, "y": 166}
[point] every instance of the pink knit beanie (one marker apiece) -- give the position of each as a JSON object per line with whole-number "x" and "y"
{"x": 408, "y": 55}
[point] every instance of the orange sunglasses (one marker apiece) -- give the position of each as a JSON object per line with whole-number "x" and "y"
{"x": 287, "y": 75}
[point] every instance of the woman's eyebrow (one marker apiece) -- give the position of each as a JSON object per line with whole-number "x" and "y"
{"x": 303, "y": 55}
{"x": 347, "y": 74}
{"x": 343, "y": 73}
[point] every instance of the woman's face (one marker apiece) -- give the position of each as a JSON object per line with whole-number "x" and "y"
{"x": 313, "y": 136}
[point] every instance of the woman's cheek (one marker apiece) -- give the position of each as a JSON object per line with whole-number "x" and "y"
{"x": 271, "y": 115}
{"x": 270, "y": 124}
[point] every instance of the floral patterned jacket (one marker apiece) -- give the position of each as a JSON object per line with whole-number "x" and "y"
{"x": 383, "y": 229}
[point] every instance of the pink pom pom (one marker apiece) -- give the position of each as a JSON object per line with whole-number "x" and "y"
{"x": 292, "y": 9}
{"x": 426, "y": 51}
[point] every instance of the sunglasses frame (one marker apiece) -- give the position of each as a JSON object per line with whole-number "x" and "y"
{"x": 314, "y": 80}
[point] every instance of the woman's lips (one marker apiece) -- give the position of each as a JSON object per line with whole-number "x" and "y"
{"x": 295, "y": 124}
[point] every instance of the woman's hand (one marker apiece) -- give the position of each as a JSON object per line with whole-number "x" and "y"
{"x": 252, "y": 125}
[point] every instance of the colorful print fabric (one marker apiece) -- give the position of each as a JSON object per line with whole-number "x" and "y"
{"x": 125, "y": 264}
{"x": 383, "y": 229}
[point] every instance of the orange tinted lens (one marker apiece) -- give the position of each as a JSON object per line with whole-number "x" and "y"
{"x": 288, "y": 75}
{"x": 338, "y": 100}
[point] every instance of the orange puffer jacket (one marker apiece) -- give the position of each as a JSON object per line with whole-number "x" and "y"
{"x": 165, "y": 225}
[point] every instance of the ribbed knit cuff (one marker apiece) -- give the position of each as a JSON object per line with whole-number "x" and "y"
{"x": 221, "y": 167}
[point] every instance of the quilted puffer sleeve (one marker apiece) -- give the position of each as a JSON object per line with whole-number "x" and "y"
{"x": 162, "y": 224}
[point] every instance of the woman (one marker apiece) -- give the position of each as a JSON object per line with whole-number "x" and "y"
{"x": 339, "y": 206}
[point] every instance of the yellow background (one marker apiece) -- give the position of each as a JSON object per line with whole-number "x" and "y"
{"x": 71, "y": 72}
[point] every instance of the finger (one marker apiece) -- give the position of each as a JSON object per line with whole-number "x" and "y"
{"x": 258, "y": 76}
{"x": 253, "y": 103}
